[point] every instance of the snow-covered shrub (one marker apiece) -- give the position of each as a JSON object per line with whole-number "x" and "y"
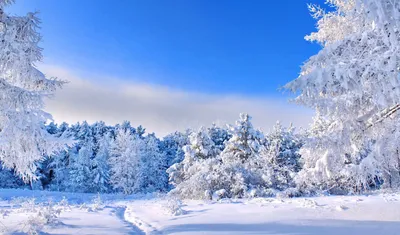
{"x": 97, "y": 203}
{"x": 174, "y": 206}
{"x": 27, "y": 205}
{"x": 4, "y": 213}
{"x": 217, "y": 195}
{"x": 32, "y": 226}
{"x": 205, "y": 178}
{"x": 45, "y": 216}
{"x": 41, "y": 215}
{"x": 289, "y": 192}
{"x": 83, "y": 206}
{"x": 49, "y": 214}
{"x": 63, "y": 205}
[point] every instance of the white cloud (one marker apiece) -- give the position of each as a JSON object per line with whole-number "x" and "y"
{"x": 160, "y": 109}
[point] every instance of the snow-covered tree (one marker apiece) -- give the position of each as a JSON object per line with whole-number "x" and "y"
{"x": 100, "y": 168}
{"x": 203, "y": 178}
{"x": 384, "y": 152}
{"x": 58, "y": 169}
{"x": 200, "y": 147}
{"x": 353, "y": 84}
{"x": 241, "y": 159}
{"x": 125, "y": 158}
{"x": 281, "y": 158}
{"x": 244, "y": 143}
{"x": 234, "y": 172}
{"x": 153, "y": 176}
{"x": 81, "y": 169}
{"x": 172, "y": 145}
{"x": 23, "y": 137}
{"x": 58, "y": 164}
{"x": 219, "y": 136}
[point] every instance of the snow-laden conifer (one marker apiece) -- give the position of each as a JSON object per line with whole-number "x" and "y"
{"x": 23, "y": 138}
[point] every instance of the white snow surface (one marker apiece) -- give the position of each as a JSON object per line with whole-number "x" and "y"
{"x": 115, "y": 214}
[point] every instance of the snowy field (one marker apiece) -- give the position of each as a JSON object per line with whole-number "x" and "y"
{"x": 23, "y": 212}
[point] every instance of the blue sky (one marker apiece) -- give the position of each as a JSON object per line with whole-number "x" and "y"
{"x": 173, "y": 64}
{"x": 214, "y": 46}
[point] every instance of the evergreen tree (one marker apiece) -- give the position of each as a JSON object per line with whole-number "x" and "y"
{"x": 9, "y": 179}
{"x": 59, "y": 171}
{"x": 281, "y": 158}
{"x": 80, "y": 169}
{"x": 200, "y": 147}
{"x": 23, "y": 137}
{"x": 191, "y": 177}
{"x": 172, "y": 145}
{"x": 241, "y": 161}
{"x": 219, "y": 136}
{"x": 125, "y": 159}
{"x": 245, "y": 142}
{"x": 234, "y": 172}
{"x": 58, "y": 165}
{"x": 153, "y": 166}
{"x": 100, "y": 167}
{"x": 52, "y": 128}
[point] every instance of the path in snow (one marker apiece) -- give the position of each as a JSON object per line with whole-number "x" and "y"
{"x": 108, "y": 222}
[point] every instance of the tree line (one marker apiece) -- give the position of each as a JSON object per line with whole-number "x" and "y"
{"x": 237, "y": 160}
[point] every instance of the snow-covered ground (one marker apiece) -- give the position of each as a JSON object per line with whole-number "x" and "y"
{"x": 86, "y": 214}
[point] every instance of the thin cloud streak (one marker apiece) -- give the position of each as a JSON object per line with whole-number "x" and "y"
{"x": 160, "y": 109}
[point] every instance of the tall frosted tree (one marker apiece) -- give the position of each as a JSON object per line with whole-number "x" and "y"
{"x": 241, "y": 159}
{"x": 353, "y": 84}
{"x": 125, "y": 161}
{"x": 280, "y": 158}
{"x": 200, "y": 147}
{"x": 100, "y": 167}
{"x": 219, "y": 136}
{"x": 153, "y": 166}
{"x": 81, "y": 169}
{"x": 23, "y": 137}
{"x": 245, "y": 142}
{"x": 195, "y": 176}
{"x": 58, "y": 167}
{"x": 172, "y": 145}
